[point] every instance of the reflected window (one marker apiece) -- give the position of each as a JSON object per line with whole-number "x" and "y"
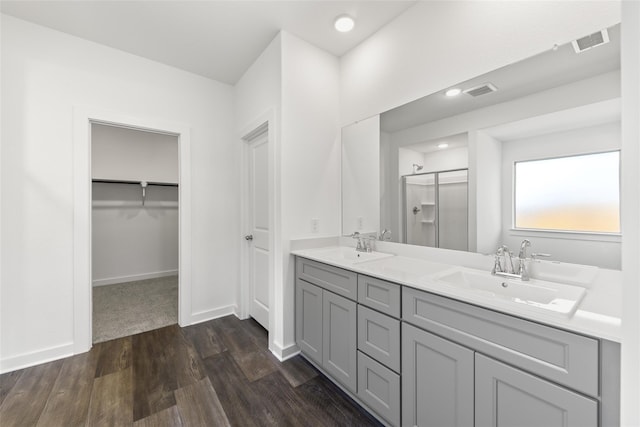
{"x": 577, "y": 193}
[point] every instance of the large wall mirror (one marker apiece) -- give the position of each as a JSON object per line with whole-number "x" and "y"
{"x": 528, "y": 151}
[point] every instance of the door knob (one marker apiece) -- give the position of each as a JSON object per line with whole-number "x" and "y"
{"x": 248, "y": 237}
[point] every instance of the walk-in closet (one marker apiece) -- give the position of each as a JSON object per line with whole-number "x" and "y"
{"x": 134, "y": 231}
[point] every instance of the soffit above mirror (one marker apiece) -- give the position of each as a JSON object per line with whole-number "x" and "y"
{"x": 547, "y": 70}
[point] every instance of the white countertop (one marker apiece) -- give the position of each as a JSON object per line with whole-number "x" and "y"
{"x": 598, "y": 315}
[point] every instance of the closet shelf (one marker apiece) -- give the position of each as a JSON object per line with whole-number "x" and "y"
{"x": 124, "y": 181}
{"x": 133, "y": 204}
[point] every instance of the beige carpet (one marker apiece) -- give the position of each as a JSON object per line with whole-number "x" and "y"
{"x": 133, "y": 307}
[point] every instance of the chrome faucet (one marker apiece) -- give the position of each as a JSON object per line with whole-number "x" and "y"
{"x": 365, "y": 242}
{"x": 503, "y": 268}
{"x": 503, "y": 263}
{"x": 522, "y": 260}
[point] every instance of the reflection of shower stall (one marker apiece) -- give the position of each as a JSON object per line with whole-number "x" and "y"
{"x": 436, "y": 209}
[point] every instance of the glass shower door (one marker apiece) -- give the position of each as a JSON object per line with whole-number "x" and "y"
{"x": 453, "y": 210}
{"x": 420, "y": 210}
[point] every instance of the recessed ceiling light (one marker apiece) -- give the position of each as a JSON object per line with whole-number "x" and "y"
{"x": 443, "y": 145}
{"x": 453, "y": 92}
{"x": 344, "y": 23}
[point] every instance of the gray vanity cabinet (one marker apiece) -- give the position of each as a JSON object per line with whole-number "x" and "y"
{"x": 415, "y": 358}
{"x": 339, "y": 341}
{"x": 506, "y": 396}
{"x": 309, "y": 319}
{"x": 326, "y": 320}
{"x": 437, "y": 381}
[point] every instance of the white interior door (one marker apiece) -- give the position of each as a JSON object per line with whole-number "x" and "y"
{"x": 259, "y": 233}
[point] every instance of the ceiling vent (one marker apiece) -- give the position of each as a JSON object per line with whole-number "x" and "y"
{"x": 481, "y": 90}
{"x": 590, "y": 41}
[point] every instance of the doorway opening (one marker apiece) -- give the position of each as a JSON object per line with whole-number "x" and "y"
{"x": 84, "y": 119}
{"x": 134, "y": 231}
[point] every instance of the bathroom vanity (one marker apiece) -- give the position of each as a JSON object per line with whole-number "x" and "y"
{"x": 414, "y": 350}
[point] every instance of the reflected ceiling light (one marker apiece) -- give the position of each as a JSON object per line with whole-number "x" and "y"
{"x": 344, "y": 23}
{"x": 443, "y": 145}
{"x": 453, "y": 91}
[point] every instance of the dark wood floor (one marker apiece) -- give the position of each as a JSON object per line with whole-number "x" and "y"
{"x": 212, "y": 374}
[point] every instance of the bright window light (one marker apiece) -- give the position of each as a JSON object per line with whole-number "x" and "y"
{"x": 577, "y": 193}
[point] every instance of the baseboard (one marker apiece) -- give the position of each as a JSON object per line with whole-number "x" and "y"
{"x": 203, "y": 316}
{"x": 35, "y": 358}
{"x": 347, "y": 391}
{"x": 283, "y": 353}
{"x": 134, "y": 277}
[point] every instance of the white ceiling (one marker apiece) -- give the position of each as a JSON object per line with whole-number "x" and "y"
{"x": 455, "y": 141}
{"x": 215, "y": 39}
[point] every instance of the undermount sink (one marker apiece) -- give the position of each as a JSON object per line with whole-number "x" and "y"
{"x": 348, "y": 254}
{"x": 535, "y": 294}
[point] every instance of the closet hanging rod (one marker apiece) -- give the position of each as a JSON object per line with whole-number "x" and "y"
{"x": 122, "y": 181}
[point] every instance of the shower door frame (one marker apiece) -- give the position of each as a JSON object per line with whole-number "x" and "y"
{"x": 437, "y": 204}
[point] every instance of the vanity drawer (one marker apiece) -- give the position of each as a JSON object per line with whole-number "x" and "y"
{"x": 557, "y": 355}
{"x": 334, "y": 279}
{"x": 379, "y": 337}
{"x": 379, "y": 295}
{"x": 379, "y": 388}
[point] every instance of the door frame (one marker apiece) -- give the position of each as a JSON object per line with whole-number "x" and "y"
{"x": 264, "y": 122}
{"x": 83, "y": 118}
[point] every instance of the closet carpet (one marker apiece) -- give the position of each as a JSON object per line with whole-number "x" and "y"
{"x": 130, "y": 308}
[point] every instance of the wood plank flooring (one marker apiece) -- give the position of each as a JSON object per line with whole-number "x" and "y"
{"x": 218, "y": 373}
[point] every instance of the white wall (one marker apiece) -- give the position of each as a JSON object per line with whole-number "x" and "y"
{"x": 361, "y": 176}
{"x": 631, "y": 213}
{"x": 298, "y": 83}
{"x": 446, "y": 159}
{"x": 485, "y": 192}
{"x": 127, "y": 154}
{"x": 259, "y": 89}
{"x": 45, "y": 74}
{"x": 130, "y": 241}
{"x": 258, "y": 98}
{"x": 310, "y": 154}
{"x": 386, "y": 185}
{"x": 436, "y": 44}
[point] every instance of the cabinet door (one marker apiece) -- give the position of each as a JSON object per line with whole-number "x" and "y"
{"x": 437, "y": 381}
{"x": 309, "y": 320}
{"x": 506, "y": 396}
{"x": 339, "y": 339}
